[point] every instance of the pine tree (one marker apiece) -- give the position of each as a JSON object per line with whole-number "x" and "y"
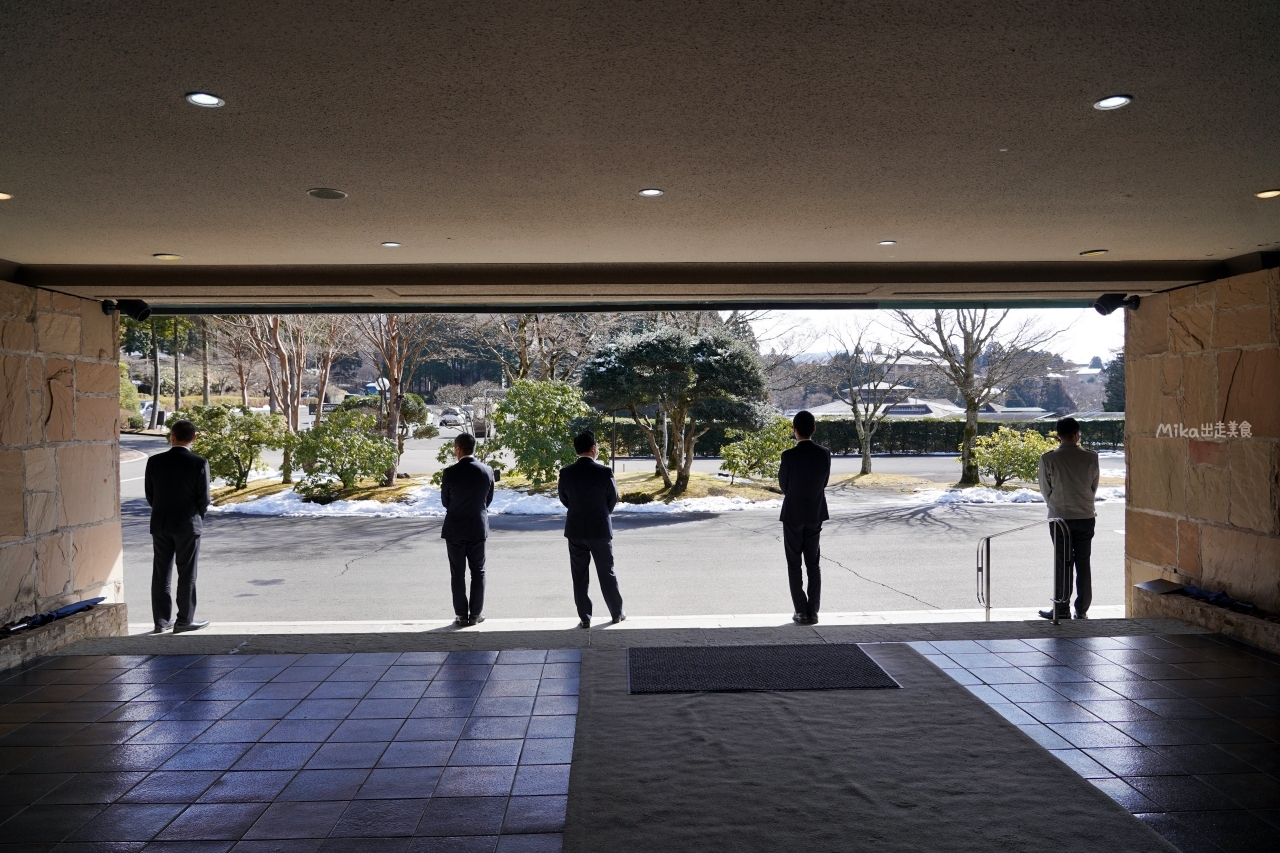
{"x": 1114, "y": 371}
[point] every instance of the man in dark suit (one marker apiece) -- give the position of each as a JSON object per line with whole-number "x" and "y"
{"x": 177, "y": 488}
{"x": 589, "y": 493}
{"x": 466, "y": 490}
{"x": 805, "y": 470}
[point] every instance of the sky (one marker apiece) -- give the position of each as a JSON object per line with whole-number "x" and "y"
{"x": 1082, "y": 332}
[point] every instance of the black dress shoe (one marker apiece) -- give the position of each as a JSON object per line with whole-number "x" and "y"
{"x": 161, "y": 627}
{"x": 1048, "y": 614}
{"x": 460, "y": 621}
{"x": 474, "y": 620}
{"x": 585, "y": 623}
{"x": 799, "y": 619}
{"x": 812, "y": 620}
{"x": 183, "y": 627}
{"x": 1082, "y": 615}
{"x": 621, "y": 617}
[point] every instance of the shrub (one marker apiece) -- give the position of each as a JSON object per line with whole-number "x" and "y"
{"x": 757, "y": 454}
{"x": 345, "y": 445}
{"x": 1009, "y": 453}
{"x": 319, "y": 488}
{"x": 232, "y": 438}
{"x": 128, "y": 392}
{"x": 136, "y": 422}
{"x": 636, "y": 498}
{"x": 535, "y": 422}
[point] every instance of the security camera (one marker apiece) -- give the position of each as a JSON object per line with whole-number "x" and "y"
{"x": 135, "y": 308}
{"x": 1109, "y": 302}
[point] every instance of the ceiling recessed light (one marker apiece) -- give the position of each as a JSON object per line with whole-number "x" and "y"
{"x": 391, "y": 244}
{"x": 651, "y": 193}
{"x": 1263, "y": 194}
{"x": 5, "y": 196}
{"x": 166, "y": 256}
{"x": 204, "y": 99}
{"x": 1113, "y": 102}
{"x": 326, "y": 193}
{"x": 887, "y": 243}
{"x": 1088, "y": 253}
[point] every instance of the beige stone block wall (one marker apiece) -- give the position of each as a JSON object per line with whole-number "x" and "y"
{"x": 59, "y": 452}
{"x": 1205, "y": 508}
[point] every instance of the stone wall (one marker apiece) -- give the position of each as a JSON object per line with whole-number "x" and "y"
{"x": 1205, "y": 509}
{"x": 59, "y": 452}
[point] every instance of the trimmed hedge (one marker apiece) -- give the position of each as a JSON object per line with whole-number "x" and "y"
{"x": 906, "y": 436}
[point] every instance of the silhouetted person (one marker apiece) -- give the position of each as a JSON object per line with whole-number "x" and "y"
{"x": 466, "y": 490}
{"x": 177, "y": 487}
{"x": 589, "y": 493}
{"x": 1069, "y": 482}
{"x": 803, "y": 478}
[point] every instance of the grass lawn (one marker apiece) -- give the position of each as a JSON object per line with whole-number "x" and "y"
{"x": 365, "y": 490}
{"x": 645, "y": 486}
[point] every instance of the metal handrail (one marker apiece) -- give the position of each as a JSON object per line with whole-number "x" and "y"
{"x": 1061, "y": 542}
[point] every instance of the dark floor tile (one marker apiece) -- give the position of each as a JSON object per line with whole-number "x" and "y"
{"x": 213, "y": 821}
{"x": 1222, "y": 731}
{"x": 495, "y": 728}
{"x": 1251, "y": 790}
{"x": 206, "y": 756}
{"x": 342, "y": 756}
{"x": 324, "y": 785}
{"x": 128, "y": 822}
{"x": 16, "y": 756}
{"x": 450, "y": 816}
{"x": 475, "y": 782}
{"x": 562, "y": 670}
{"x": 262, "y": 709}
{"x": 1094, "y": 735}
{"x": 555, "y": 705}
{"x": 1201, "y": 758}
{"x": 1081, "y": 763}
{"x": 505, "y": 706}
{"x": 88, "y": 788}
{"x": 562, "y": 726}
{"x": 400, "y": 783}
{"x": 1268, "y": 727}
{"x": 1262, "y": 756}
{"x": 25, "y": 789}
{"x": 41, "y": 734}
{"x": 323, "y": 659}
{"x": 1122, "y": 793}
{"x": 564, "y": 656}
{"x": 422, "y": 753}
{"x": 80, "y": 712}
{"x": 1231, "y": 706}
{"x": 253, "y": 786}
{"x": 1181, "y": 836}
{"x": 1181, "y": 793}
{"x": 171, "y": 692}
{"x": 412, "y": 672}
{"x": 516, "y": 672}
{"x": 172, "y": 731}
{"x": 1054, "y": 674}
{"x": 397, "y": 690}
{"x": 366, "y": 731}
{"x": 563, "y": 686}
{"x": 135, "y": 711}
{"x": 57, "y": 693}
{"x": 102, "y": 847}
{"x": 1195, "y": 688}
{"x": 284, "y": 691}
{"x": 322, "y": 709}
{"x": 530, "y": 688}
{"x": 1159, "y": 732}
{"x": 1141, "y": 690}
{"x": 535, "y": 815}
{"x": 541, "y": 779}
{"x": 347, "y": 672}
{"x": 235, "y": 731}
{"x": 1014, "y": 714}
{"x": 1118, "y": 710}
{"x": 1058, "y": 712}
{"x": 294, "y": 820}
{"x": 1234, "y": 830}
{"x": 547, "y": 751}
{"x": 472, "y": 658}
{"x": 312, "y": 674}
{"x": 50, "y": 823}
{"x": 276, "y": 756}
{"x": 455, "y": 844}
{"x": 1178, "y": 709}
{"x": 1135, "y": 761}
{"x": 433, "y": 708}
{"x": 374, "y": 818}
{"x": 341, "y": 690}
{"x": 186, "y": 847}
{"x": 226, "y": 691}
{"x": 1021, "y": 693}
{"x": 202, "y": 709}
{"x": 256, "y": 674}
{"x": 22, "y": 713}
{"x": 65, "y": 759}
{"x": 442, "y": 728}
{"x": 543, "y": 843}
{"x": 383, "y": 709}
{"x": 464, "y": 672}
{"x": 1271, "y": 816}
{"x": 106, "y": 733}
{"x": 454, "y": 689}
{"x": 183, "y": 786}
{"x": 1080, "y": 691}
{"x": 137, "y": 756}
{"x": 364, "y": 845}
{"x": 300, "y": 731}
{"x": 478, "y": 753}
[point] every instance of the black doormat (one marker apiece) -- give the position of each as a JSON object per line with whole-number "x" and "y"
{"x": 722, "y": 669}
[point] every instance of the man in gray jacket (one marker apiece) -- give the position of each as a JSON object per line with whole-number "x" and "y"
{"x": 1069, "y": 482}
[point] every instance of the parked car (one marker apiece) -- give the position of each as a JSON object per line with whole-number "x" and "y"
{"x": 452, "y": 418}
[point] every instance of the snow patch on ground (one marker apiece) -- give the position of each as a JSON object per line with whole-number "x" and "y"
{"x": 424, "y": 502}
{"x": 986, "y": 495}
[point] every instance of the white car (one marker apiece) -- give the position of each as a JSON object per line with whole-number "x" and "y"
{"x": 452, "y": 417}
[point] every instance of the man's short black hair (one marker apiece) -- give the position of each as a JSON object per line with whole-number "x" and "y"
{"x": 182, "y": 431}
{"x": 466, "y": 441}
{"x": 1068, "y": 427}
{"x": 805, "y": 424}
{"x": 584, "y": 441}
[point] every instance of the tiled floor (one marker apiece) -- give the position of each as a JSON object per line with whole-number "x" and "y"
{"x": 1181, "y": 730}
{"x": 407, "y": 753}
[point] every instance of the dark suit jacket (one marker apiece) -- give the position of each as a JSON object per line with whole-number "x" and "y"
{"x": 466, "y": 490}
{"x": 177, "y": 486}
{"x": 589, "y": 493}
{"x": 803, "y": 478}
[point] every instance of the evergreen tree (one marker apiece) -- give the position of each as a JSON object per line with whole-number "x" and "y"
{"x": 1114, "y": 372}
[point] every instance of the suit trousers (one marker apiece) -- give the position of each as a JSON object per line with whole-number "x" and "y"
{"x": 461, "y": 554}
{"x": 581, "y": 552}
{"x": 1077, "y": 553}
{"x": 800, "y": 541}
{"x": 168, "y": 549}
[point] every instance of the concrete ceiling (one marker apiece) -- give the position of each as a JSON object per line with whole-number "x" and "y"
{"x": 784, "y": 135}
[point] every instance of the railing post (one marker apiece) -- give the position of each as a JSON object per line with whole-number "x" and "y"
{"x": 987, "y": 578}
